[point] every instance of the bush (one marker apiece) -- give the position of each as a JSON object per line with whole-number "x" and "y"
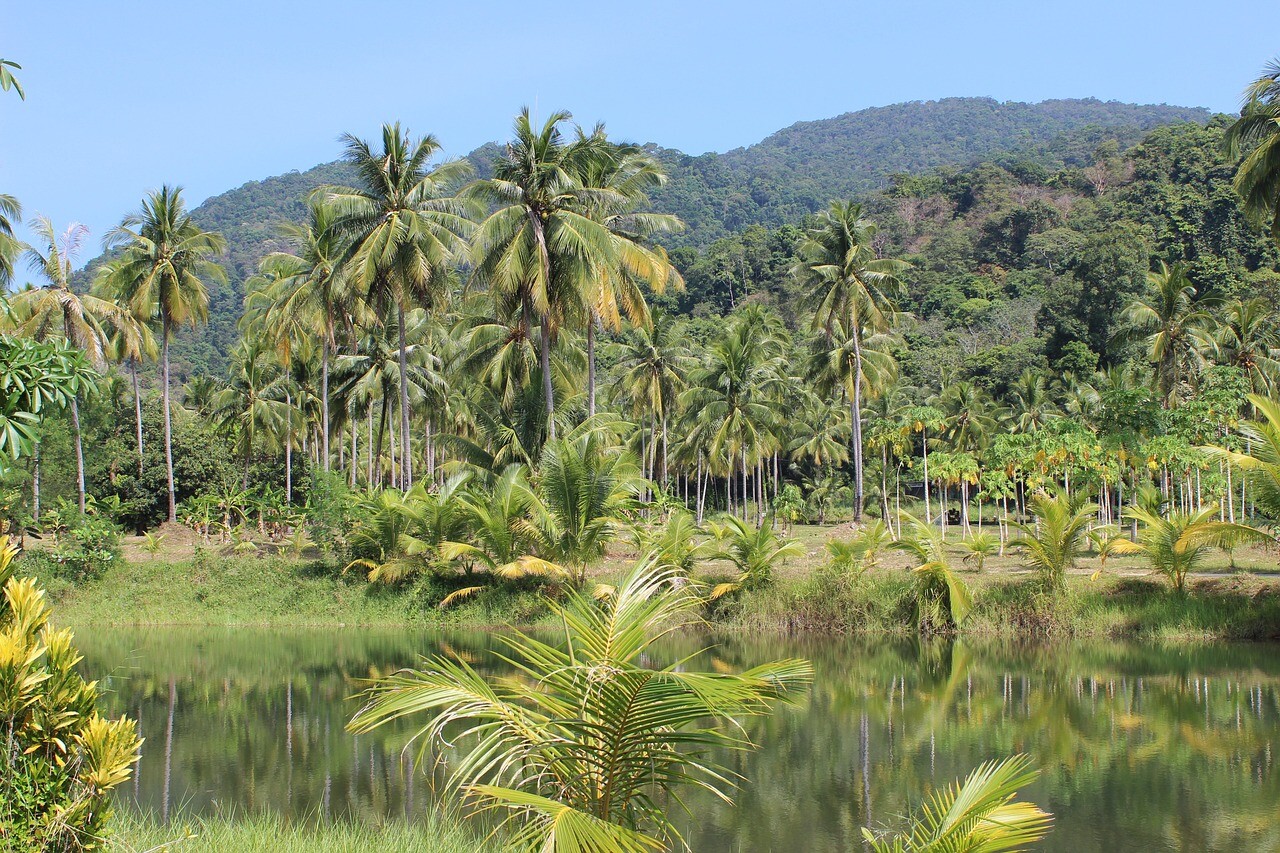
{"x": 85, "y": 551}
{"x": 62, "y": 758}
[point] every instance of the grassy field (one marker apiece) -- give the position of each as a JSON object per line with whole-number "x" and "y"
{"x": 1236, "y": 596}
{"x": 132, "y": 833}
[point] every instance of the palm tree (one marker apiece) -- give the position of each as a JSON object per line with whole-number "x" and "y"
{"x": 754, "y": 551}
{"x": 849, "y": 285}
{"x": 244, "y": 408}
{"x": 1175, "y": 546}
{"x": 978, "y": 816}
{"x": 10, "y": 246}
{"x": 619, "y": 177}
{"x": 1032, "y": 405}
{"x": 313, "y": 293}
{"x": 655, "y": 363}
{"x": 541, "y": 248}
{"x": 943, "y": 599}
{"x": 132, "y": 342}
{"x": 1059, "y": 536}
{"x": 1174, "y": 327}
{"x": 1246, "y": 338}
{"x": 404, "y": 230}
{"x": 56, "y": 309}
{"x": 161, "y": 276}
{"x": 1257, "y": 131}
{"x": 583, "y": 493}
{"x": 8, "y": 80}
{"x": 586, "y": 749}
{"x": 1261, "y": 464}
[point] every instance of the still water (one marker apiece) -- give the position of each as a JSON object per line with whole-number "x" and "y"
{"x": 1143, "y": 748}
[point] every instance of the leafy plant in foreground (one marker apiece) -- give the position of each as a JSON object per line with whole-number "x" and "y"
{"x": 1176, "y": 545}
{"x": 580, "y": 749}
{"x": 943, "y": 599}
{"x": 61, "y": 757}
{"x": 1056, "y": 540}
{"x": 978, "y": 816}
{"x": 754, "y": 551}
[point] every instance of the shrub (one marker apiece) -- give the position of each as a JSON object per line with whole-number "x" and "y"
{"x": 85, "y": 551}
{"x": 62, "y": 758}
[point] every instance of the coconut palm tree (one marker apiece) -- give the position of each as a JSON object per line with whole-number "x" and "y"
{"x": 540, "y": 249}
{"x": 1257, "y": 134}
{"x": 244, "y": 408}
{"x": 1261, "y": 464}
{"x": 1059, "y": 535}
{"x": 10, "y": 246}
{"x": 161, "y": 276}
{"x": 1247, "y": 338}
{"x": 654, "y": 362}
{"x": 313, "y": 293}
{"x": 978, "y": 816}
{"x": 943, "y": 599}
{"x": 56, "y": 309}
{"x": 754, "y": 551}
{"x": 849, "y": 285}
{"x": 404, "y": 229}
{"x": 1174, "y": 326}
{"x": 585, "y": 750}
{"x": 1176, "y": 545}
{"x": 132, "y": 342}
{"x": 583, "y": 494}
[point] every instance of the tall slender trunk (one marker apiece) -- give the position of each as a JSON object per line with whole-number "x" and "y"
{"x": 664, "y": 450}
{"x": 382, "y": 431}
{"x": 369, "y": 450}
{"x": 591, "y": 364}
{"x": 168, "y": 418}
{"x": 548, "y": 388}
{"x": 137, "y": 413}
{"x": 288, "y": 448}
{"x": 924, "y": 443}
{"x": 324, "y": 405}
{"x": 75, "y": 432}
{"x": 406, "y": 460}
{"x": 355, "y": 457}
{"x": 857, "y": 424}
{"x": 35, "y": 479}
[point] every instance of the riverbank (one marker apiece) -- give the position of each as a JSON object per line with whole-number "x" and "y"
{"x": 282, "y": 592}
{"x": 134, "y": 833}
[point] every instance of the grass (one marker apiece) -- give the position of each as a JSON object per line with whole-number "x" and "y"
{"x": 134, "y": 833}
{"x": 188, "y": 585}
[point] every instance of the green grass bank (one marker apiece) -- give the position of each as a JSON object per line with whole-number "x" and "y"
{"x": 280, "y": 592}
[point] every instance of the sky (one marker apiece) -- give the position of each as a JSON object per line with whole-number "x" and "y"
{"x": 122, "y": 97}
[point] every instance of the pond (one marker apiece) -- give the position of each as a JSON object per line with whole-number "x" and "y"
{"x": 1143, "y": 748}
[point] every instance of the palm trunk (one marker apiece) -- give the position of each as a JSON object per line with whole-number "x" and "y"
{"x": 591, "y": 364}
{"x": 382, "y": 431}
{"x": 288, "y": 449}
{"x": 75, "y": 431}
{"x": 355, "y": 457}
{"x": 324, "y": 406}
{"x": 137, "y": 413}
{"x": 406, "y": 462}
{"x": 168, "y": 419}
{"x": 548, "y": 388}
{"x": 35, "y": 479}
{"x": 924, "y": 443}
{"x": 857, "y": 425}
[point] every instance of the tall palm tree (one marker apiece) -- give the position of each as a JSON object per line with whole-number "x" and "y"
{"x": 405, "y": 228}
{"x": 1032, "y": 407}
{"x": 161, "y": 275}
{"x": 1247, "y": 338}
{"x": 850, "y": 285}
{"x": 654, "y": 362}
{"x": 1258, "y": 131}
{"x": 244, "y": 408}
{"x": 132, "y": 342}
{"x": 10, "y": 246}
{"x": 626, "y": 173}
{"x": 56, "y": 309}
{"x": 314, "y": 293}
{"x": 540, "y": 248}
{"x": 1175, "y": 327}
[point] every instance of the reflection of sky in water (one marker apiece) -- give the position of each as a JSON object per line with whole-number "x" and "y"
{"x": 1143, "y": 748}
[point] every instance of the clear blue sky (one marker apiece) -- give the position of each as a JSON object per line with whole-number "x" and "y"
{"x": 124, "y": 96}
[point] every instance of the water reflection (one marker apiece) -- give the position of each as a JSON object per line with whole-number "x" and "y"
{"x": 1143, "y": 747}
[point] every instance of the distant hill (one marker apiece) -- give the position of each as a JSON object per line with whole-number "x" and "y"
{"x": 782, "y": 178}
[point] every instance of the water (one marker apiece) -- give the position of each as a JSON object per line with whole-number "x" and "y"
{"x": 1143, "y": 748}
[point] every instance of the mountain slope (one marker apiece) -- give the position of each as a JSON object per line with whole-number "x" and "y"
{"x": 784, "y": 177}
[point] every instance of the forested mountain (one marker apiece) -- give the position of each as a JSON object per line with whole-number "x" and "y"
{"x": 779, "y": 180}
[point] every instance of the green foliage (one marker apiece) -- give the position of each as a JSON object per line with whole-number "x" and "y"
{"x": 943, "y": 599}
{"x": 979, "y": 815}
{"x": 61, "y": 757}
{"x": 753, "y": 551}
{"x": 87, "y": 549}
{"x": 584, "y": 762}
{"x": 1177, "y": 544}
{"x": 1057, "y": 538}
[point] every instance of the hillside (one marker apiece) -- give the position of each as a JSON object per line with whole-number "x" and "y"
{"x": 778, "y": 180}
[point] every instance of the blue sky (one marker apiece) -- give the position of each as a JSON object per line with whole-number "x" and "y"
{"x": 122, "y": 97}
